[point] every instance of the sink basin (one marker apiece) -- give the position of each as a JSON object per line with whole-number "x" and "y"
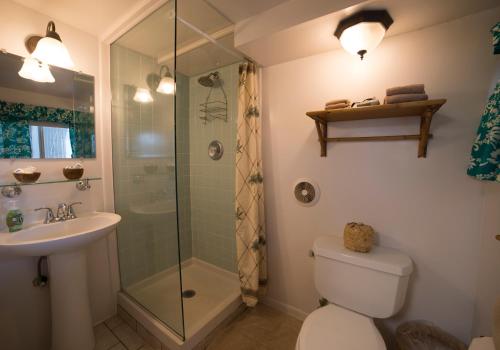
{"x": 58, "y": 237}
{"x": 64, "y": 243}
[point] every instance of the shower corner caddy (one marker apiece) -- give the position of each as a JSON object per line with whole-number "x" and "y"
{"x": 214, "y": 108}
{"x": 424, "y": 109}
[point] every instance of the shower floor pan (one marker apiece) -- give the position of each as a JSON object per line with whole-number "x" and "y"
{"x": 217, "y": 295}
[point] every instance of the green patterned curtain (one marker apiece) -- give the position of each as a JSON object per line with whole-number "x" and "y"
{"x": 15, "y": 120}
{"x": 250, "y": 230}
{"x": 485, "y": 155}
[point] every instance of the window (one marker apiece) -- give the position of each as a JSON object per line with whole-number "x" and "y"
{"x": 50, "y": 140}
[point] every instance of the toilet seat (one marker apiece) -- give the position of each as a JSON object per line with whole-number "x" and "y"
{"x": 334, "y": 328}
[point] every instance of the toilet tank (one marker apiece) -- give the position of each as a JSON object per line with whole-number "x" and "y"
{"x": 373, "y": 284}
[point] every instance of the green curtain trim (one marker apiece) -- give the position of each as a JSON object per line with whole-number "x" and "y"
{"x": 485, "y": 155}
{"x": 496, "y": 38}
{"x": 14, "y": 128}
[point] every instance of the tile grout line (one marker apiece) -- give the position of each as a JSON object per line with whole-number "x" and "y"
{"x": 116, "y": 336}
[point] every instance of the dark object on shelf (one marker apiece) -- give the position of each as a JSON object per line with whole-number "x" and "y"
{"x": 73, "y": 174}
{"x": 27, "y": 178}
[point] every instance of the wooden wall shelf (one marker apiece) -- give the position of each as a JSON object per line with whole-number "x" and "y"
{"x": 424, "y": 109}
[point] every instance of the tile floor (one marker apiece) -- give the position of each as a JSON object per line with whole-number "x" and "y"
{"x": 261, "y": 328}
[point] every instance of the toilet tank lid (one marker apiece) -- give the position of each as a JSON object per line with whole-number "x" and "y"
{"x": 379, "y": 258}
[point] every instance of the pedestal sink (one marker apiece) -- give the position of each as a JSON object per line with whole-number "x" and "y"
{"x": 64, "y": 243}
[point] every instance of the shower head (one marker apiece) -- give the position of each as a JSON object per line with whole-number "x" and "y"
{"x": 210, "y": 80}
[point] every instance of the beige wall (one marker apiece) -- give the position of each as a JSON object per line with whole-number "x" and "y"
{"x": 427, "y": 208}
{"x": 25, "y": 313}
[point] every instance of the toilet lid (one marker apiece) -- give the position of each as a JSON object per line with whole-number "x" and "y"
{"x": 332, "y": 327}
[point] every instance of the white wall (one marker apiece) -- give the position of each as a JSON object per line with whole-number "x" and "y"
{"x": 488, "y": 288}
{"x": 427, "y": 208}
{"x": 24, "y": 310}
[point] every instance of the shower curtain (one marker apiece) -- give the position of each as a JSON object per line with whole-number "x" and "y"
{"x": 250, "y": 230}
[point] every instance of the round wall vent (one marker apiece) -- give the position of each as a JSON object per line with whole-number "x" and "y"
{"x": 306, "y": 192}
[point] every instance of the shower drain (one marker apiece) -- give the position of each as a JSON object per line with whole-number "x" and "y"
{"x": 188, "y": 293}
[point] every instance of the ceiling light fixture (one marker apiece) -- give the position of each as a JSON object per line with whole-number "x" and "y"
{"x": 167, "y": 83}
{"x": 50, "y": 49}
{"x": 363, "y": 31}
{"x": 35, "y": 70}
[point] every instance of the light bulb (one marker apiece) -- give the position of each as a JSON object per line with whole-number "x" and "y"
{"x": 35, "y": 70}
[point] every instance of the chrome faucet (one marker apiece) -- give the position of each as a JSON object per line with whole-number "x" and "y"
{"x": 70, "y": 212}
{"x": 64, "y": 212}
{"x": 49, "y": 215}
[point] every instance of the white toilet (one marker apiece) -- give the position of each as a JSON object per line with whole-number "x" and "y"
{"x": 359, "y": 286}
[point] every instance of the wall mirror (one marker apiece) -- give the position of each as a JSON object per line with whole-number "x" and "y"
{"x": 45, "y": 119}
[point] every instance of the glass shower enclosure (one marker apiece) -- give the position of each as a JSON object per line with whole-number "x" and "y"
{"x": 174, "y": 99}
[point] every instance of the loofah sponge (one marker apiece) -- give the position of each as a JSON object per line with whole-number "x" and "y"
{"x": 358, "y": 237}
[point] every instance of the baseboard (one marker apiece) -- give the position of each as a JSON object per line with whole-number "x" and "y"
{"x": 287, "y": 309}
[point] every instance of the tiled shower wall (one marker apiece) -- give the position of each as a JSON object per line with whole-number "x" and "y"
{"x": 144, "y": 170}
{"x": 212, "y": 182}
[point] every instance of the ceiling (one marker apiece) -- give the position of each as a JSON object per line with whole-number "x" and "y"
{"x": 155, "y": 37}
{"x": 269, "y": 44}
{"x": 155, "y": 34}
{"x": 268, "y": 31}
{"x": 91, "y": 16}
{"x": 239, "y": 10}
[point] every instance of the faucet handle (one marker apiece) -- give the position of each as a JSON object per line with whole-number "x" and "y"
{"x": 70, "y": 213}
{"x": 49, "y": 216}
{"x": 62, "y": 209}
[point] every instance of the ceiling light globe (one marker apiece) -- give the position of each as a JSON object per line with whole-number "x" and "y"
{"x": 362, "y": 37}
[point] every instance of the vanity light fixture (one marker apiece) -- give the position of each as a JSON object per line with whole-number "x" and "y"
{"x": 167, "y": 83}
{"x": 143, "y": 95}
{"x": 35, "y": 70}
{"x": 50, "y": 49}
{"x": 363, "y": 31}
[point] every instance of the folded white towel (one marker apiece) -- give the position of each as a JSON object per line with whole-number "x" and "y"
{"x": 74, "y": 166}
{"x": 27, "y": 170}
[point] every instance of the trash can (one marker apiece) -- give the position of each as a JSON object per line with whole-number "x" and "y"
{"x": 422, "y": 335}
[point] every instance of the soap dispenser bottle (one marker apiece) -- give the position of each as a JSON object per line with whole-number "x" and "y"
{"x": 14, "y": 216}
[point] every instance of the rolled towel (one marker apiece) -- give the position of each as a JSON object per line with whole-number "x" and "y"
{"x": 334, "y": 102}
{"x": 336, "y": 106}
{"x": 405, "y": 98}
{"x": 74, "y": 166}
{"x": 27, "y": 170}
{"x": 406, "y": 89}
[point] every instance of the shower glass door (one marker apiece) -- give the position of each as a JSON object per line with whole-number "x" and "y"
{"x": 144, "y": 165}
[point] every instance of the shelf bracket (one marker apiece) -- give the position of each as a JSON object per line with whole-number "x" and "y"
{"x": 322, "y": 129}
{"x": 425, "y": 124}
